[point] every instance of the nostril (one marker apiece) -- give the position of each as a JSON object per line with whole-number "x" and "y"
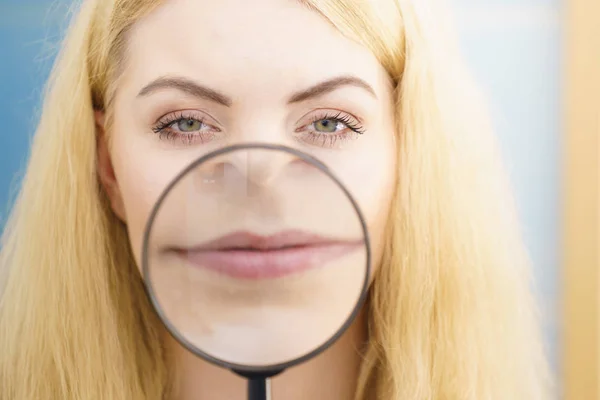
{"x": 213, "y": 173}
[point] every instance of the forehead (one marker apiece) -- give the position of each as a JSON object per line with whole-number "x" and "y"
{"x": 252, "y": 45}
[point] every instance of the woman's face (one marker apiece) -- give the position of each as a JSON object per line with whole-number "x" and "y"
{"x": 246, "y": 229}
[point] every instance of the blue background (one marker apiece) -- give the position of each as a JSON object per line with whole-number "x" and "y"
{"x": 513, "y": 47}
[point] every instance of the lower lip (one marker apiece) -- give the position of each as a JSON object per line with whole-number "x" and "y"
{"x": 268, "y": 264}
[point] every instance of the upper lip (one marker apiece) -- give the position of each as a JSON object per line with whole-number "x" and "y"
{"x": 244, "y": 240}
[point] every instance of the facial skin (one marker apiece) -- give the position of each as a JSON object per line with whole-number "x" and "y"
{"x": 200, "y": 75}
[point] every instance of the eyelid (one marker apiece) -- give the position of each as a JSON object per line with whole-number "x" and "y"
{"x": 201, "y": 115}
{"x": 351, "y": 121}
{"x": 329, "y": 112}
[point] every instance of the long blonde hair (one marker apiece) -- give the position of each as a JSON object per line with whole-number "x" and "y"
{"x": 451, "y": 314}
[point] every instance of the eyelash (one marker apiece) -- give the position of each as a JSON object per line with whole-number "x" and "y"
{"x": 164, "y": 130}
{"x": 342, "y": 117}
{"x": 329, "y": 140}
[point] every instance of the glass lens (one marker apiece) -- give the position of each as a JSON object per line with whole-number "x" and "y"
{"x": 255, "y": 257}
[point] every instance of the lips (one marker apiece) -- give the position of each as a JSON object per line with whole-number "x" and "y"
{"x": 244, "y": 255}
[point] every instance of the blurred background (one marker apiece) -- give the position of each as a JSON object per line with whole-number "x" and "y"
{"x": 515, "y": 49}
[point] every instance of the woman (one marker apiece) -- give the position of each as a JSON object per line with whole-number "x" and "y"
{"x": 142, "y": 87}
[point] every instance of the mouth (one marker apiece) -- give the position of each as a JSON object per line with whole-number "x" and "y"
{"x": 245, "y": 255}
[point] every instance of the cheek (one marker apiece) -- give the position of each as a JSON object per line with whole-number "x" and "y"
{"x": 141, "y": 185}
{"x": 143, "y": 173}
{"x": 376, "y": 200}
{"x": 371, "y": 179}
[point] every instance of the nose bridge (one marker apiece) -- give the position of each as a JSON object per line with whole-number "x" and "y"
{"x": 261, "y": 120}
{"x": 257, "y": 166}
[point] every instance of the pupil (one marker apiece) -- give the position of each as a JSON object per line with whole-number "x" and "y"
{"x": 326, "y": 125}
{"x": 188, "y": 125}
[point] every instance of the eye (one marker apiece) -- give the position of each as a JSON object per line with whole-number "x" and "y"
{"x": 338, "y": 122}
{"x": 330, "y": 129}
{"x": 328, "y": 125}
{"x": 187, "y": 127}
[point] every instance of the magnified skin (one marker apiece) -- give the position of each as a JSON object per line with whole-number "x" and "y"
{"x": 253, "y": 285}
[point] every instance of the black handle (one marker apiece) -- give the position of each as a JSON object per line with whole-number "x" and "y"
{"x": 257, "y": 388}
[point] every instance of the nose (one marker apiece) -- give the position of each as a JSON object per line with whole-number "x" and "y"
{"x": 250, "y": 167}
{"x": 261, "y": 167}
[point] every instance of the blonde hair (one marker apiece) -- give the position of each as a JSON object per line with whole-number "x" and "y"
{"x": 451, "y": 314}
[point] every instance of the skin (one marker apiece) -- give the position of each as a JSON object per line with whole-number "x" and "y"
{"x": 258, "y": 56}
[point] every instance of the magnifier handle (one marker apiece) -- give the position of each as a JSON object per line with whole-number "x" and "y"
{"x": 259, "y": 388}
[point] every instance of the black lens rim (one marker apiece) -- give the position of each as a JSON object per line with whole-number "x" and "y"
{"x": 245, "y": 369}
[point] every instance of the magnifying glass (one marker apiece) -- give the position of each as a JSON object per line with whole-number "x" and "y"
{"x": 256, "y": 258}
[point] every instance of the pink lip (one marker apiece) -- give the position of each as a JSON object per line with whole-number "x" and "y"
{"x": 244, "y": 255}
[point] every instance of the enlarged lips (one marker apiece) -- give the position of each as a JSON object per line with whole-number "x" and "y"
{"x": 244, "y": 255}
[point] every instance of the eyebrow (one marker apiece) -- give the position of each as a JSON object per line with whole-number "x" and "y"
{"x": 187, "y": 86}
{"x": 330, "y": 85}
{"x": 197, "y": 90}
